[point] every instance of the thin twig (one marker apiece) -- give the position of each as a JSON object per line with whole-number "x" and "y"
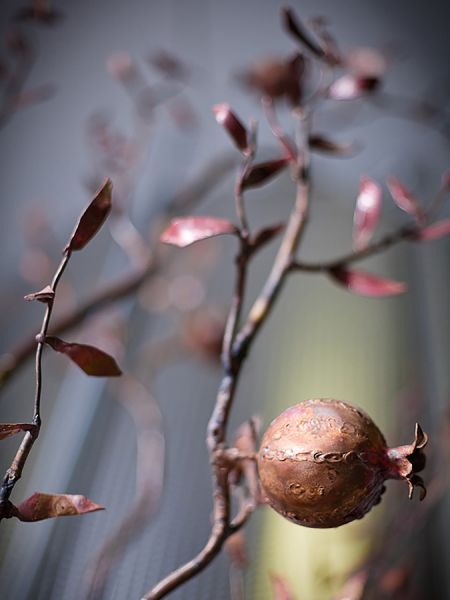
{"x": 408, "y": 232}
{"x": 14, "y": 473}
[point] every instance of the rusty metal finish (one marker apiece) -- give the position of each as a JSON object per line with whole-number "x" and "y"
{"x": 323, "y": 463}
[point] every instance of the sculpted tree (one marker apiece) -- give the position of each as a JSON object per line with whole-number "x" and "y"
{"x": 321, "y": 463}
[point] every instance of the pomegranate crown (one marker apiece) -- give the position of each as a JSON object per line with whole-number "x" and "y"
{"x": 407, "y": 461}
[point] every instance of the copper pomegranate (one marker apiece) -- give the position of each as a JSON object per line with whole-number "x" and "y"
{"x": 323, "y": 463}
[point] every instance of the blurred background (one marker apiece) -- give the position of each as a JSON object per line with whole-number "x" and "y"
{"x": 125, "y": 90}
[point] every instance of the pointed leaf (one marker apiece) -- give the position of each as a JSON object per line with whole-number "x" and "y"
{"x": 367, "y": 284}
{"x": 230, "y": 122}
{"x": 434, "y": 231}
{"x": 8, "y": 429}
{"x": 45, "y": 295}
{"x": 367, "y": 212}
{"x": 350, "y": 87}
{"x": 366, "y": 62}
{"x": 265, "y": 235}
{"x": 320, "y": 143}
{"x": 277, "y": 78}
{"x": 261, "y": 173}
{"x": 91, "y": 360}
{"x": 41, "y": 506}
{"x": 92, "y": 219}
{"x": 404, "y": 199}
{"x": 295, "y": 28}
{"x": 185, "y": 231}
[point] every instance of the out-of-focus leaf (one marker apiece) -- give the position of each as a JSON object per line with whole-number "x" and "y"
{"x": 434, "y": 231}
{"x": 294, "y": 27}
{"x": 34, "y": 96}
{"x": 8, "y": 429}
{"x": 320, "y": 143}
{"x": 236, "y": 549}
{"x": 367, "y": 212}
{"x": 184, "y": 231}
{"x": 230, "y": 122}
{"x": 404, "y": 199}
{"x": 203, "y": 332}
{"x": 169, "y": 65}
{"x": 40, "y": 11}
{"x": 265, "y": 235}
{"x": 277, "y": 78}
{"x": 41, "y": 506}
{"x": 366, "y": 62}
{"x": 92, "y": 219}
{"x": 45, "y": 295}
{"x": 350, "y": 87}
{"x": 320, "y": 26}
{"x": 261, "y": 173}
{"x": 280, "y": 588}
{"x": 367, "y": 284}
{"x": 91, "y": 360}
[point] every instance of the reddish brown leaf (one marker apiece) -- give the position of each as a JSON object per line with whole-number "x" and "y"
{"x": 320, "y": 143}
{"x": 91, "y": 360}
{"x": 434, "y": 231}
{"x": 45, "y": 295}
{"x": 265, "y": 235}
{"x": 261, "y": 173}
{"x": 8, "y": 429}
{"x": 350, "y": 87}
{"x": 367, "y": 284}
{"x": 294, "y": 27}
{"x": 41, "y": 506}
{"x": 277, "y": 78}
{"x": 280, "y": 588}
{"x": 366, "y": 62}
{"x": 185, "y": 231}
{"x": 229, "y": 121}
{"x": 92, "y": 219}
{"x": 404, "y": 199}
{"x": 367, "y": 212}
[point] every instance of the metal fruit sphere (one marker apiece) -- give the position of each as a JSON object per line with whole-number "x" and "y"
{"x": 323, "y": 463}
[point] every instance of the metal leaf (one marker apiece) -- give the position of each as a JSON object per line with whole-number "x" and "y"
{"x": 8, "y": 429}
{"x": 230, "y": 122}
{"x": 367, "y": 211}
{"x": 350, "y": 87}
{"x": 320, "y": 143}
{"x": 45, "y": 295}
{"x": 184, "y": 231}
{"x": 92, "y": 219}
{"x": 434, "y": 231}
{"x": 367, "y": 284}
{"x": 261, "y": 173}
{"x": 295, "y": 28}
{"x": 91, "y": 360}
{"x": 41, "y": 506}
{"x": 404, "y": 199}
{"x": 266, "y": 235}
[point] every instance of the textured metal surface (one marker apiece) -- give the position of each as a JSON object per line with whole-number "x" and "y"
{"x": 317, "y": 466}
